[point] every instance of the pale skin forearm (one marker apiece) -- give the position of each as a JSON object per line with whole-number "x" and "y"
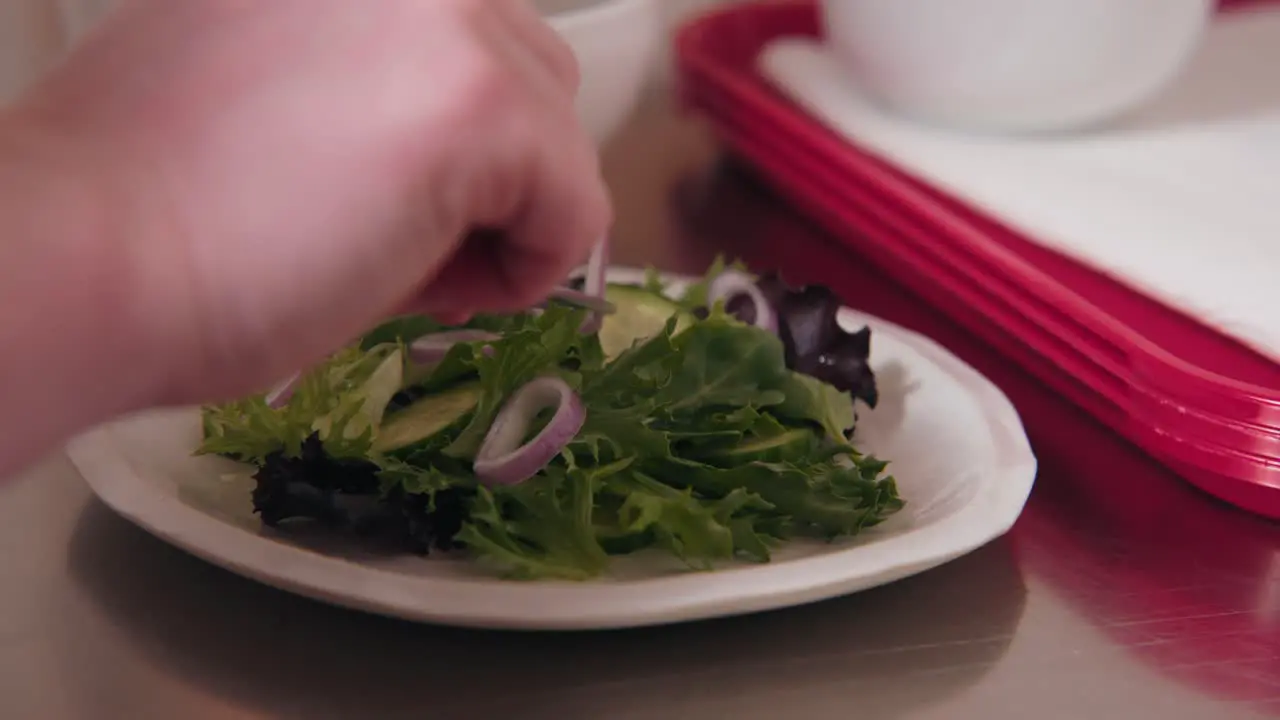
{"x": 71, "y": 353}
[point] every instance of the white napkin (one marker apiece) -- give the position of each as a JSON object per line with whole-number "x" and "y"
{"x": 1180, "y": 200}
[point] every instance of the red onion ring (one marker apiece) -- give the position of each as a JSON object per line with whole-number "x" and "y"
{"x": 502, "y": 459}
{"x": 280, "y": 395}
{"x": 433, "y": 348}
{"x": 732, "y": 284}
{"x": 582, "y": 300}
{"x": 595, "y": 281}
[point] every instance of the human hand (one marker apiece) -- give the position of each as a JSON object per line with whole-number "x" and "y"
{"x": 290, "y": 172}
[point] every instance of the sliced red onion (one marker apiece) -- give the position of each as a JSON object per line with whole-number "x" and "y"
{"x": 582, "y": 300}
{"x": 731, "y": 285}
{"x": 595, "y": 281}
{"x": 591, "y": 296}
{"x": 280, "y": 395}
{"x": 502, "y": 459}
{"x": 433, "y": 348}
{"x": 597, "y": 269}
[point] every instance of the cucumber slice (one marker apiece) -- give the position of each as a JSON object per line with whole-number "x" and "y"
{"x": 775, "y": 448}
{"x": 427, "y": 417}
{"x": 640, "y": 314}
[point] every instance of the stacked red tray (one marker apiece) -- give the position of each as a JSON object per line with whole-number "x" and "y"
{"x": 1199, "y": 401}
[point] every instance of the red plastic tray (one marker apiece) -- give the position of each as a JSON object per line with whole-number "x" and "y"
{"x": 1241, "y": 477}
{"x": 1190, "y": 395}
{"x": 1174, "y": 353}
{"x": 1055, "y": 336}
{"x": 1094, "y": 494}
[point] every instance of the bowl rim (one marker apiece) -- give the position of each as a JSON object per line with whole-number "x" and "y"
{"x": 599, "y": 10}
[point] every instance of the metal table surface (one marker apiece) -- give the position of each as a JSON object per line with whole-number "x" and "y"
{"x": 1121, "y": 593}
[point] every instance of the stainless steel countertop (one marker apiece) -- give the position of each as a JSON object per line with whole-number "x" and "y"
{"x": 1120, "y": 594}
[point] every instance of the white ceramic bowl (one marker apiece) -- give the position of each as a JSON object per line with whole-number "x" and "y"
{"x": 615, "y": 41}
{"x": 1014, "y": 65}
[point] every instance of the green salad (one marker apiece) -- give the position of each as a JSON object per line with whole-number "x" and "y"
{"x": 712, "y": 424}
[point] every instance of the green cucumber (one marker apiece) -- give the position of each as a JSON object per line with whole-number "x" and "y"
{"x": 640, "y": 315}
{"x": 427, "y": 417}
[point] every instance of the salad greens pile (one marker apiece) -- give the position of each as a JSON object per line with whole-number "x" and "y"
{"x": 691, "y": 433}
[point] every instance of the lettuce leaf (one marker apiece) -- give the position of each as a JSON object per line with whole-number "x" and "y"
{"x": 342, "y": 401}
{"x": 657, "y": 464}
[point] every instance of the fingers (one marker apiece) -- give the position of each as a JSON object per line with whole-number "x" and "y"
{"x": 566, "y": 209}
{"x": 473, "y": 280}
{"x": 544, "y": 191}
{"x": 554, "y": 55}
{"x": 567, "y": 212}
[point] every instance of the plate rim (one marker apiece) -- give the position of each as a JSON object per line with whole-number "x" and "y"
{"x": 462, "y": 602}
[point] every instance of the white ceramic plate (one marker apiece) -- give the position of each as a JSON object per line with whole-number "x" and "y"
{"x": 957, "y": 448}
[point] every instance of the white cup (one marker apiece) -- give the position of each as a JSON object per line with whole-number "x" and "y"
{"x": 1014, "y": 65}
